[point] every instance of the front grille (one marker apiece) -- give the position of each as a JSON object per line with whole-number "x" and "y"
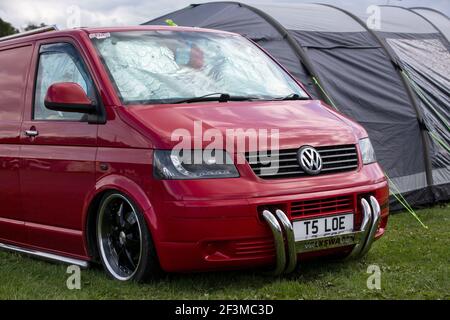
{"x": 326, "y": 206}
{"x": 334, "y": 159}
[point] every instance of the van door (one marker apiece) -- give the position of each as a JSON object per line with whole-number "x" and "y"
{"x": 58, "y": 153}
{"x": 14, "y": 65}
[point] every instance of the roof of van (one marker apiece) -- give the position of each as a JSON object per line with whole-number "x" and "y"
{"x": 78, "y": 31}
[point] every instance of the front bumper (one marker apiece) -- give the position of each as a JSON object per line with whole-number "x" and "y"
{"x": 287, "y": 249}
{"x": 234, "y": 234}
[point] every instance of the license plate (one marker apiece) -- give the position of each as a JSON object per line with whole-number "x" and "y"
{"x": 323, "y": 227}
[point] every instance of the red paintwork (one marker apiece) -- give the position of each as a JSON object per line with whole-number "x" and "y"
{"x": 299, "y": 122}
{"x": 49, "y": 181}
{"x": 66, "y": 93}
{"x": 13, "y": 79}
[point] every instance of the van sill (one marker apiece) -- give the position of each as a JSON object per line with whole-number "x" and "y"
{"x": 45, "y": 255}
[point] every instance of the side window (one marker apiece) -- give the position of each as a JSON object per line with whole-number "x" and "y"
{"x": 14, "y": 64}
{"x": 59, "y": 63}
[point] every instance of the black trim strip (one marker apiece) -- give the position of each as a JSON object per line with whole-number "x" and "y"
{"x": 71, "y": 107}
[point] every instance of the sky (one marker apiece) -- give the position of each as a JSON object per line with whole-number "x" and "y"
{"x": 87, "y": 13}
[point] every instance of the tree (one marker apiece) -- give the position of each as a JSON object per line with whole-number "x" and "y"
{"x": 6, "y": 28}
{"x": 32, "y": 26}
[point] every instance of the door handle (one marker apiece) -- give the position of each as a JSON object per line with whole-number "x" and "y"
{"x": 31, "y": 133}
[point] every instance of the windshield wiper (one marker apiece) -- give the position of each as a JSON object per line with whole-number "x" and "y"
{"x": 293, "y": 96}
{"x": 216, "y": 96}
{"x": 225, "y": 97}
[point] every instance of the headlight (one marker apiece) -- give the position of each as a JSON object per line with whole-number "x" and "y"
{"x": 199, "y": 164}
{"x": 367, "y": 152}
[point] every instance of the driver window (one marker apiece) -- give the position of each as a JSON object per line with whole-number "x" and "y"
{"x": 58, "y": 66}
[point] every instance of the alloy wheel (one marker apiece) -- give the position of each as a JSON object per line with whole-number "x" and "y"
{"x": 119, "y": 236}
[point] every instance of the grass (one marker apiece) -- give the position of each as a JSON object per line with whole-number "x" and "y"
{"x": 414, "y": 264}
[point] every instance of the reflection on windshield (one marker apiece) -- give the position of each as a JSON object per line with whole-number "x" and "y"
{"x": 163, "y": 66}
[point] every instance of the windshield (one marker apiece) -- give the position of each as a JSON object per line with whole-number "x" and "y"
{"x": 166, "y": 66}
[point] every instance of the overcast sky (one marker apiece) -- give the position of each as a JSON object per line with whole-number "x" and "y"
{"x": 132, "y": 12}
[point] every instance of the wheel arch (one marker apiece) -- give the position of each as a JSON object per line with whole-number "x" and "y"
{"x": 107, "y": 184}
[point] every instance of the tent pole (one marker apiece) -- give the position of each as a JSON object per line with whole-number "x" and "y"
{"x": 432, "y": 24}
{"x": 409, "y": 90}
{"x": 298, "y": 50}
{"x": 430, "y": 9}
{"x": 169, "y": 14}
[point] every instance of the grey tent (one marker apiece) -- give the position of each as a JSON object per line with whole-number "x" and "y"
{"x": 439, "y": 20}
{"x": 394, "y": 80}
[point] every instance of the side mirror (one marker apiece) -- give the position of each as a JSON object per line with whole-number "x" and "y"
{"x": 68, "y": 97}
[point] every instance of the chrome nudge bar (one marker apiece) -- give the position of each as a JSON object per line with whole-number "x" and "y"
{"x": 287, "y": 248}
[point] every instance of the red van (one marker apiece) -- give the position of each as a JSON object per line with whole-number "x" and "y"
{"x": 175, "y": 149}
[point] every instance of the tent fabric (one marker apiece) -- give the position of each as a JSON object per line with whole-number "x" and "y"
{"x": 439, "y": 20}
{"x": 393, "y": 80}
{"x": 283, "y": 53}
{"x": 427, "y": 62}
{"x": 305, "y": 17}
{"x": 397, "y": 20}
{"x": 423, "y": 54}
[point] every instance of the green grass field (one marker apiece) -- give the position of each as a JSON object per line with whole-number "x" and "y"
{"x": 414, "y": 263}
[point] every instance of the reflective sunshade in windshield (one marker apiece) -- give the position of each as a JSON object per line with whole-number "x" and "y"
{"x": 166, "y": 66}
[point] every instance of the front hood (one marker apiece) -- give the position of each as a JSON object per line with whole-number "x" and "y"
{"x": 298, "y": 122}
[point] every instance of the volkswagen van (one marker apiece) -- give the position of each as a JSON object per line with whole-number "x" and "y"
{"x": 149, "y": 149}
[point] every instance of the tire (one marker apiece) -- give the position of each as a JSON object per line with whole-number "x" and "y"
{"x": 124, "y": 241}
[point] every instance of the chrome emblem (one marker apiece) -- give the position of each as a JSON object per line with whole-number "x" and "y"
{"x": 310, "y": 160}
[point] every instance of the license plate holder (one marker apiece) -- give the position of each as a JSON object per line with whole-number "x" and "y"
{"x": 325, "y": 226}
